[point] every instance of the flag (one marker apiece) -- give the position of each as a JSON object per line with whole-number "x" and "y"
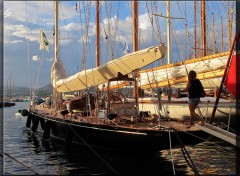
{"x": 232, "y": 81}
{"x": 43, "y": 41}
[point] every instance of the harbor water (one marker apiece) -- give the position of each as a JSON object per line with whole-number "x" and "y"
{"x": 26, "y": 155}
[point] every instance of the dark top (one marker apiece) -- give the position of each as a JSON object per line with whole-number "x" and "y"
{"x": 195, "y": 89}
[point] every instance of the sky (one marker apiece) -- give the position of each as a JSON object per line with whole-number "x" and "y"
{"x": 30, "y": 67}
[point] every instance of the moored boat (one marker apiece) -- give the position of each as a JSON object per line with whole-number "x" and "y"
{"x": 114, "y": 124}
{"x": 121, "y": 133}
{"x": 6, "y": 104}
{"x": 110, "y": 122}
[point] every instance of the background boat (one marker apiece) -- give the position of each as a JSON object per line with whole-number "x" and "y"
{"x": 6, "y": 104}
{"x": 207, "y": 59}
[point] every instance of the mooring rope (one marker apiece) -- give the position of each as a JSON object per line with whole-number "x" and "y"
{"x": 170, "y": 144}
{"x": 225, "y": 148}
{"x": 20, "y": 163}
{"x": 185, "y": 154}
{"x": 103, "y": 160}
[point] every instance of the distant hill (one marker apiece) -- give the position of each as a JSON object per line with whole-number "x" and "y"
{"x": 24, "y": 91}
{"x": 45, "y": 90}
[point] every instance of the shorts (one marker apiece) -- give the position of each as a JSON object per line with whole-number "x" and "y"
{"x": 194, "y": 101}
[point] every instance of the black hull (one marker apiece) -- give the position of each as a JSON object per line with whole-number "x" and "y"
{"x": 112, "y": 137}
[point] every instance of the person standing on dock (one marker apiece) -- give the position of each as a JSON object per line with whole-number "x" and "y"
{"x": 194, "y": 88}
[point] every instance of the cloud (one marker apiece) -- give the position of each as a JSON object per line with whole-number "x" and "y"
{"x": 28, "y": 12}
{"x": 7, "y": 13}
{"x": 16, "y": 41}
{"x": 24, "y": 19}
{"x": 37, "y": 59}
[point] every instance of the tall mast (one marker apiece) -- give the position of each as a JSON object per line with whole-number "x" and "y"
{"x": 135, "y": 45}
{"x": 213, "y": 34}
{"x": 203, "y": 28}
{"x": 168, "y": 31}
{"x": 10, "y": 85}
{"x": 222, "y": 47}
{"x": 195, "y": 31}
{"x": 97, "y": 34}
{"x": 56, "y": 44}
{"x": 56, "y": 95}
{"x": 7, "y": 88}
{"x": 135, "y": 25}
{"x": 230, "y": 16}
{"x": 13, "y": 87}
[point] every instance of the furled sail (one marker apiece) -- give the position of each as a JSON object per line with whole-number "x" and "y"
{"x": 99, "y": 75}
{"x": 57, "y": 72}
{"x": 208, "y": 67}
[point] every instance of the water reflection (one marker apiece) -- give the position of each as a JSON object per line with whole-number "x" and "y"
{"x": 50, "y": 158}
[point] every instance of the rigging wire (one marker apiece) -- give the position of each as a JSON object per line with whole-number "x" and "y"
{"x": 87, "y": 46}
{"x": 29, "y": 168}
{"x": 94, "y": 151}
{"x": 68, "y": 38}
{"x": 158, "y": 94}
{"x": 118, "y": 37}
{"x": 183, "y": 60}
{"x": 190, "y": 33}
{"x": 170, "y": 144}
{"x": 81, "y": 38}
{"x": 77, "y": 59}
{"x": 157, "y": 33}
{"x": 212, "y": 143}
{"x": 41, "y": 61}
{"x": 28, "y": 53}
{"x": 157, "y": 24}
{"x": 185, "y": 154}
{"x": 87, "y": 17}
{"x": 182, "y": 54}
{"x": 223, "y": 9}
{"x": 106, "y": 24}
{"x": 111, "y": 36}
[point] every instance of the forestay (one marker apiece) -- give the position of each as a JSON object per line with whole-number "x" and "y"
{"x": 101, "y": 74}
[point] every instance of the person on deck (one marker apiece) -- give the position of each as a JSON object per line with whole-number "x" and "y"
{"x": 169, "y": 92}
{"x": 48, "y": 101}
{"x": 193, "y": 87}
{"x": 67, "y": 112}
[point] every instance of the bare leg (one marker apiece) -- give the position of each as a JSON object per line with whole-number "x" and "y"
{"x": 192, "y": 108}
{"x": 193, "y": 114}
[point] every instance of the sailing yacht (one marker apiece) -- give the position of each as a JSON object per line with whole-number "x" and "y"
{"x": 110, "y": 121}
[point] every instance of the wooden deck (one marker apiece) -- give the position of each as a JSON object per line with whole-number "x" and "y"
{"x": 149, "y": 125}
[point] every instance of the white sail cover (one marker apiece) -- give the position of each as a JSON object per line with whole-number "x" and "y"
{"x": 125, "y": 65}
{"x": 211, "y": 67}
{"x": 210, "y": 70}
